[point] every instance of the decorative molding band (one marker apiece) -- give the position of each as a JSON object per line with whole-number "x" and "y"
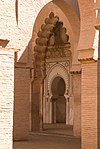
{"x": 22, "y": 65}
{"x": 86, "y": 55}
{"x": 75, "y": 72}
{"x": 76, "y": 69}
{"x": 86, "y": 59}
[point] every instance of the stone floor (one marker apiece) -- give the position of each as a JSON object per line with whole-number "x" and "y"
{"x": 53, "y": 137}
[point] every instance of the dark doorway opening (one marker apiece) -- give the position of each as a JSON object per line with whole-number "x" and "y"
{"x": 58, "y": 88}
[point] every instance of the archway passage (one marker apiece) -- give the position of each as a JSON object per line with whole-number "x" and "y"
{"x": 52, "y": 48}
{"x": 58, "y": 88}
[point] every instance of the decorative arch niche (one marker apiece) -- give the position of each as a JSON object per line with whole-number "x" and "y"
{"x": 52, "y": 43}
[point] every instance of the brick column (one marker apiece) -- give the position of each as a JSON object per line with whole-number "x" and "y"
{"x": 21, "y": 103}
{"x": 77, "y": 103}
{"x": 88, "y": 100}
{"x": 37, "y": 105}
{"x": 97, "y": 26}
{"x": 6, "y": 97}
{"x": 98, "y": 81}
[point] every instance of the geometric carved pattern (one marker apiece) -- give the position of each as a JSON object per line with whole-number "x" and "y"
{"x": 60, "y": 52}
{"x": 54, "y": 71}
{"x": 50, "y": 65}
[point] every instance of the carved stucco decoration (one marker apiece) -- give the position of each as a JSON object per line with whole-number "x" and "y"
{"x": 52, "y": 42}
{"x": 58, "y": 52}
{"x": 50, "y": 65}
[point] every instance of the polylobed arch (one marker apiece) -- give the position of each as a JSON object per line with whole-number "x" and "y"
{"x": 52, "y": 35}
{"x": 80, "y": 29}
{"x": 67, "y": 16}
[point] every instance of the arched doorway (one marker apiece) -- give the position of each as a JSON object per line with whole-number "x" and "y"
{"x": 52, "y": 51}
{"x": 58, "y": 88}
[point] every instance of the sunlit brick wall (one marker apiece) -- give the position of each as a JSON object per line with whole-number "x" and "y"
{"x": 6, "y": 97}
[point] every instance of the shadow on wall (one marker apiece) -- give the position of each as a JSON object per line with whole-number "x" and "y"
{"x": 22, "y": 78}
{"x": 26, "y": 57}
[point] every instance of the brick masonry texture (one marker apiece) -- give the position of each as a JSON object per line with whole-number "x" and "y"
{"x": 21, "y": 103}
{"x": 6, "y": 98}
{"x": 27, "y": 13}
{"x": 89, "y": 105}
{"x": 77, "y": 104}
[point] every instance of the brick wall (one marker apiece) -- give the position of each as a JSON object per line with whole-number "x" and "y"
{"x": 98, "y": 87}
{"x": 6, "y": 97}
{"x": 89, "y": 105}
{"x": 77, "y": 104}
{"x": 36, "y": 107}
{"x": 21, "y": 104}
